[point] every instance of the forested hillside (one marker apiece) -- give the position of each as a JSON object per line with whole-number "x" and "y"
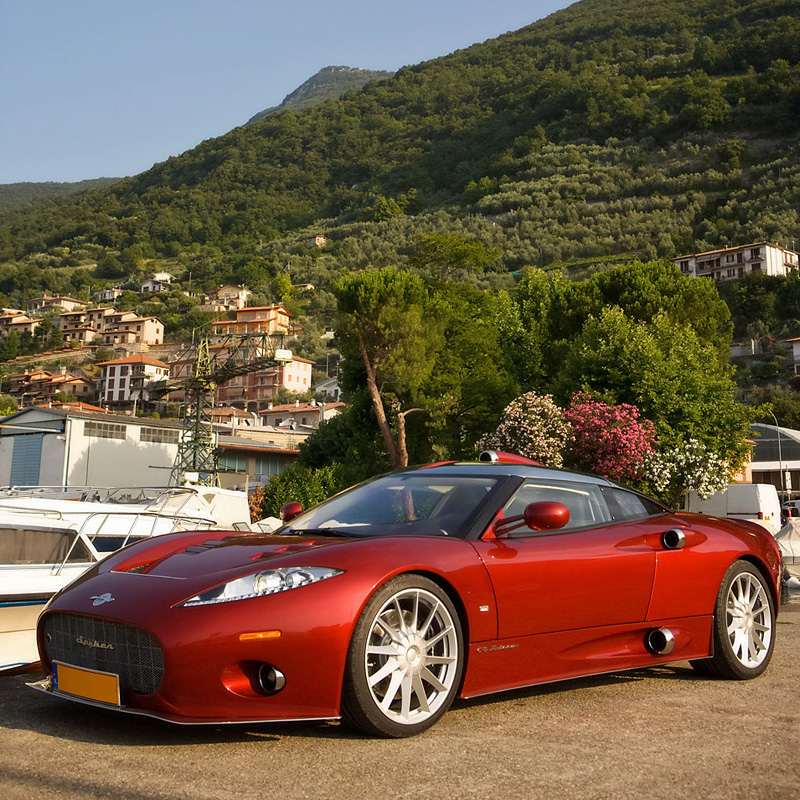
{"x": 613, "y": 128}
{"x": 17, "y": 194}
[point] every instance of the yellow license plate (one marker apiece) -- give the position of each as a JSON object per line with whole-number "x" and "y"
{"x": 87, "y": 683}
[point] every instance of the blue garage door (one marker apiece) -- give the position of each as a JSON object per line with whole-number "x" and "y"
{"x": 26, "y": 459}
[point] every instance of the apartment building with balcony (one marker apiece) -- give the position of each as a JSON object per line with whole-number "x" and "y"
{"x": 125, "y": 379}
{"x": 733, "y": 263}
{"x": 256, "y": 319}
{"x": 47, "y": 303}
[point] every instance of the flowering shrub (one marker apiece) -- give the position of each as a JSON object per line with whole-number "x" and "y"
{"x": 690, "y": 465}
{"x": 532, "y": 426}
{"x": 609, "y": 440}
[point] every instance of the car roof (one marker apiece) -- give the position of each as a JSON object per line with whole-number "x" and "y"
{"x": 487, "y": 468}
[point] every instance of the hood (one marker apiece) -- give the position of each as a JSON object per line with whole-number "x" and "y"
{"x": 242, "y": 554}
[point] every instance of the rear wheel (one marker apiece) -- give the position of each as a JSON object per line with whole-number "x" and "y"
{"x": 744, "y": 624}
{"x": 405, "y": 659}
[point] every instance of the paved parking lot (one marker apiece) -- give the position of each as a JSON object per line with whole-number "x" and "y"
{"x": 657, "y": 733}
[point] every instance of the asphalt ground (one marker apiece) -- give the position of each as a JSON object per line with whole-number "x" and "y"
{"x": 656, "y": 733}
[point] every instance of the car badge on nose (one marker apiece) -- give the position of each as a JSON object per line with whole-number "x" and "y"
{"x": 99, "y": 599}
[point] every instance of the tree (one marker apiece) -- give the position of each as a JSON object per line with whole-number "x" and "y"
{"x": 688, "y": 466}
{"x": 609, "y": 440}
{"x": 389, "y": 340}
{"x": 303, "y": 485}
{"x": 441, "y": 254}
{"x": 668, "y": 372}
{"x": 8, "y": 405}
{"x": 532, "y": 426}
{"x": 472, "y": 379}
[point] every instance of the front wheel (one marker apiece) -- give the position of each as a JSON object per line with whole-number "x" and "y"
{"x": 405, "y": 659}
{"x": 744, "y": 625}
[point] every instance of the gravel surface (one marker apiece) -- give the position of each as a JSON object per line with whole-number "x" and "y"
{"x": 657, "y": 733}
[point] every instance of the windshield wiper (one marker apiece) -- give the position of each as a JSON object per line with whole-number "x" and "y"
{"x": 318, "y": 532}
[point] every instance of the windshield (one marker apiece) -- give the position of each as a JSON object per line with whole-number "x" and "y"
{"x": 411, "y": 504}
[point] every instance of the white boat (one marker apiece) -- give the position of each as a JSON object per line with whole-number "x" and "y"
{"x": 46, "y": 541}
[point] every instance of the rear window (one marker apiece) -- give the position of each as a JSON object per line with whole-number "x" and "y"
{"x": 629, "y": 505}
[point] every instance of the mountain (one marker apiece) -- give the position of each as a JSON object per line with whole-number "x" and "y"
{"x": 328, "y": 83}
{"x": 17, "y": 194}
{"x": 612, "y": 129}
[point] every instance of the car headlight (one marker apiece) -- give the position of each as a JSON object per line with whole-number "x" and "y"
{"x": 270, "y": 581}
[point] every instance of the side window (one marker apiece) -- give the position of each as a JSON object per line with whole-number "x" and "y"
{"x": 584, "y": 501}
{"x": 627, "y": 505}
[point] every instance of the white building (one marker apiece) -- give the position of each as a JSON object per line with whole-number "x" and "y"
{"x": 52, "y": 447}
{"x": 125, "y": 379}
{"x": 55, "y": 447}
{"x": 732, "y": 263}
{"x": 156, "y": 282}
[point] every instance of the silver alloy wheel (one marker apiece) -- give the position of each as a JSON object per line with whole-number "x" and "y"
{"x": 748, "y": 620}
{"x": 411, "y": 656}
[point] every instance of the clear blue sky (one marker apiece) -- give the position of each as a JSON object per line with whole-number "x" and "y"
{"x": 107, "y": 88}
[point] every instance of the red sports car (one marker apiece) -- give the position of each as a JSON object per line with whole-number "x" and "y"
{"x": 384, "y": 603}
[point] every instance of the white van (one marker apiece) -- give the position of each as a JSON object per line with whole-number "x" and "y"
{"x": 757, "y": 502}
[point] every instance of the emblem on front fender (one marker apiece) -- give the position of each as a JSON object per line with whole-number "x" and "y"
{"x": 99, "y": 599}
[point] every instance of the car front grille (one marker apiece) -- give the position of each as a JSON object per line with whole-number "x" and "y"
{"x": 100, "y": 644}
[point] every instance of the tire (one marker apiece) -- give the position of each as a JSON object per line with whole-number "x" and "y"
{"x": 744, "y": 626}
{"x": 405, "y": 659}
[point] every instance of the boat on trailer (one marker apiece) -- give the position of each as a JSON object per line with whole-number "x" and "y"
{"x": 49, "y": 538}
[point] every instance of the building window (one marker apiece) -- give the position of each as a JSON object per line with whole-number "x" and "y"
{"x": 104, "y": 430}
{"x": 756, "y": 267}
{"x": 160, "y": 435}
{"x": 232, "y": 462}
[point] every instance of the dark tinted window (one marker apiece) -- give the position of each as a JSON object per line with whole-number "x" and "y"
{"x": 629, "y": 505}
{"x": 583, "y": 500}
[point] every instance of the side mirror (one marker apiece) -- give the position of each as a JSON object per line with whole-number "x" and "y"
{"x": 291, "y": 510}
{"x": 545, "y": 515}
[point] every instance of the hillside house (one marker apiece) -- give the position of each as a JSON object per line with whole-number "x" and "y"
{"x": 254, "y": 390}
{"x": 256, "y": 319}
{"x": 47, "y": 303}
{"x": 156, "y": 282}
{"x": 83, "y": 334}
{"x": 12, "y": 318}
{"x": 128, "y": 328}
{"x": 227, "y": 298}
{"x": 107, "y": 295}
{"x": 40, "y": 386}
{"x": 733, "y": 263}
{"x": 300, "y": 413}
{"x": 125, "y": 379}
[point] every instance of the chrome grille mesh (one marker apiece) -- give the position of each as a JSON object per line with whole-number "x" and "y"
{"x": 134, "y": 654}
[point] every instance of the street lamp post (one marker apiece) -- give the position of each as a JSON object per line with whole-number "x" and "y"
{"x": 780, "y": 457}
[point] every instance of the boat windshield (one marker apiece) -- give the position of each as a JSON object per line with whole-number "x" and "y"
{"x": 20, "y": 545}
{"x": 411, "y": 504}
